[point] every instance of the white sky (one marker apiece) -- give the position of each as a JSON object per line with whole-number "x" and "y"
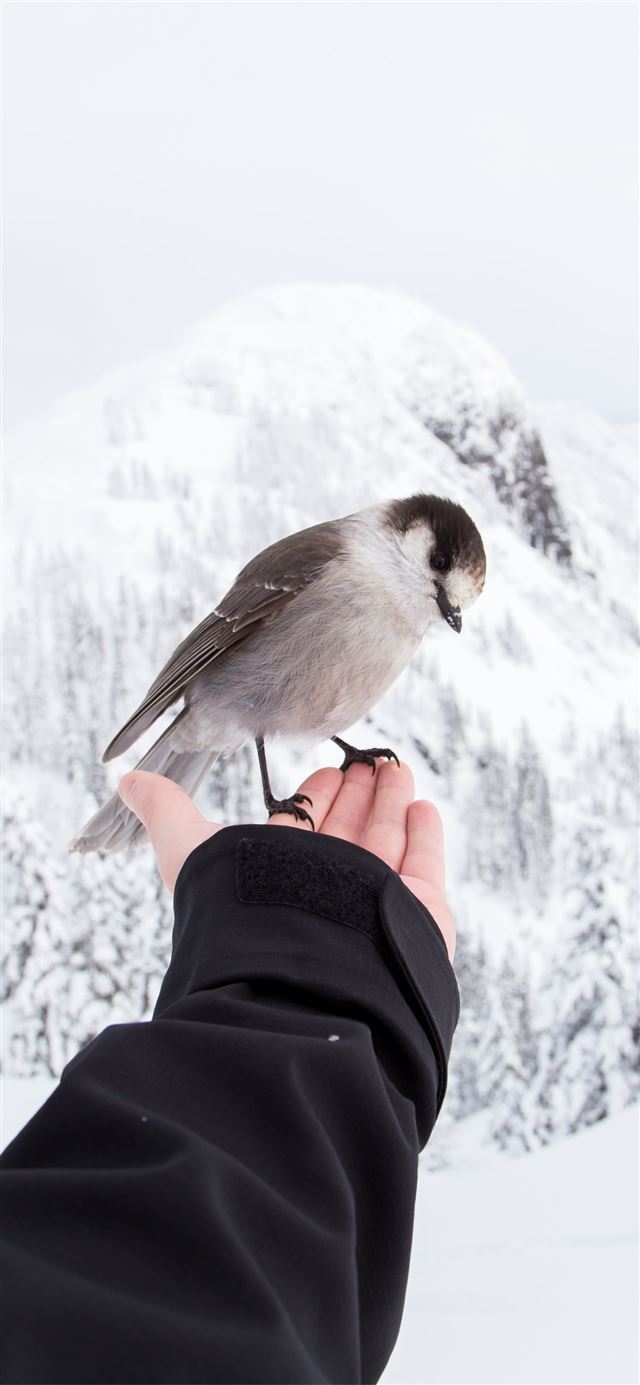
{"x": 161, "y": 158}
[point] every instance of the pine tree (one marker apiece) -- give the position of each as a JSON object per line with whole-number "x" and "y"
{"x": 33, "y": 944}
{"x": 30, "y": 886}
{"x": 588, "y": 1066}
{"x": 532, "y": 819}
{"x": 453, "y": 743}
{"x": 508, "y": 1127}
{"x": 465, "y": 1092}
{"x": 491, "y": 843}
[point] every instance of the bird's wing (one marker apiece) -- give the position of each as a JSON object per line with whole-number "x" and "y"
{"x": 264, "y": 587}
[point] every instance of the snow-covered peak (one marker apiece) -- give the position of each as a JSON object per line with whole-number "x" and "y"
{"x": 354, "y": 351}
{"x": 373, "y": 373}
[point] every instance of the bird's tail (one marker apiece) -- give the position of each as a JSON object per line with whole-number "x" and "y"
{"x": 114, "y": 826}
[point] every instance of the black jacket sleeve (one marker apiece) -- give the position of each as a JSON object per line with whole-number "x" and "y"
{"x": 226, "y": 1192}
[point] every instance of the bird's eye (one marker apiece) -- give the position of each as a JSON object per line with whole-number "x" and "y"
{"x": 439, "y": 561}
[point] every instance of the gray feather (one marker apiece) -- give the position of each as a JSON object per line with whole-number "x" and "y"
{"x": 114, "y": 826}
{"x": 263, "y": 588}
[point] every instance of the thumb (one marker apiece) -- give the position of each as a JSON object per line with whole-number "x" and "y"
{"x": 174, "y": 824}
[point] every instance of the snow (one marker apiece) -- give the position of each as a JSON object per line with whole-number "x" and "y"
{"x": 526, "y": 1270}
{"x": 20, "y": 1098}
{"x": 523, "y": 1270}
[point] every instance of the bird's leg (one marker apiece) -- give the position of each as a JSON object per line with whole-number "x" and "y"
{"x": 281, "y": 805}
{"x": 353, "y": 756}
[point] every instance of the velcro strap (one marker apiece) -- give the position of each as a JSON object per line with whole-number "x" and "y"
{"x": 275, "y": 873}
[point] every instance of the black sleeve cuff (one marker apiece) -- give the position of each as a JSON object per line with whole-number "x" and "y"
{"x": 280, "y": 906}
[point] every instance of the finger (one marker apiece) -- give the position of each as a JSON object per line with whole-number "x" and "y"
{"x": 352, "y": 807}
{"x": 321, "y": 787}
{"x": 386, "y": 831}
{"x": 424, "y": 856}
{"x": 174, "y": 824}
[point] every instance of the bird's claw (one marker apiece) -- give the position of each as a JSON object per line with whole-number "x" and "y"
{"x": 292, "y": 806}
{"x": 353, "y": 756}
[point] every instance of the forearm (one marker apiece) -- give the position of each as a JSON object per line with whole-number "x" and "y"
{"x": 226, "y": 1193}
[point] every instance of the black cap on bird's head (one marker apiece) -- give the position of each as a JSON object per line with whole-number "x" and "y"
{"x": 455, "y": 553}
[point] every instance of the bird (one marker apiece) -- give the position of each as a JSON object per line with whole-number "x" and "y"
{"x": 312, "y": 632}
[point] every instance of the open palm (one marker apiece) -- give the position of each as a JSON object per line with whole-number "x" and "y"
{"x": 375, "y": 811}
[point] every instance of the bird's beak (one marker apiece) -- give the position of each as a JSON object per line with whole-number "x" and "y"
{"x": 450, "y": 613}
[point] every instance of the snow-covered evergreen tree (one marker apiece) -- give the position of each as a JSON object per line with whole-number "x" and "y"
{"x": 532, "y": 818}
{"x": 492, "y": 844}
{"x": 587, "y": 1027}
{"x": 467, "y": 1084}
{"x": 520, "y": 1058}
{"x": 31, "y": 888}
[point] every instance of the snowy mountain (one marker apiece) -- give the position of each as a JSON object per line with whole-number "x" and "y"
{"x": 129, "y": 510}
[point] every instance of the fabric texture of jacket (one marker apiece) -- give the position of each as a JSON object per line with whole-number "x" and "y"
{"x": 225, "y": 1193}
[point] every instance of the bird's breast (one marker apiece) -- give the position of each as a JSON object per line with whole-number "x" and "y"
{"x": 319, "y": 666}
{"x": 325, "y": 662}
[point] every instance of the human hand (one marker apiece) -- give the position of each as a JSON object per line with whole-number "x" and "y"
{"x": 377, "y": 812}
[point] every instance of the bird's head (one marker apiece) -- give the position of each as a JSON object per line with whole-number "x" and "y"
{"x": 439, "y": 537}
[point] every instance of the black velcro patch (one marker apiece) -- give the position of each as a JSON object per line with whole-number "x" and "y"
{"x": 273, "y": 873}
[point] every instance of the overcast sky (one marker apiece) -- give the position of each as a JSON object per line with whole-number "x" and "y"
{"x": 161, "y": 158}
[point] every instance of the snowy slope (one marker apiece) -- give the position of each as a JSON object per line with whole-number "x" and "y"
{"x": 129, "y": 509}
{"x": 526, "y": 1270}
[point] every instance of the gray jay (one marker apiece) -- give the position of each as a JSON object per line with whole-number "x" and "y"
{"x": 311, "y": 634}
